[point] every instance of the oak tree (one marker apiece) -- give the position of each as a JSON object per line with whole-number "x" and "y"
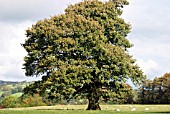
{"x": 83, "y": 52}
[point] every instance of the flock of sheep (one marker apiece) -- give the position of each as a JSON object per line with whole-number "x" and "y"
{"x": 132, "y": 109}
{"x": 107, "y": 108}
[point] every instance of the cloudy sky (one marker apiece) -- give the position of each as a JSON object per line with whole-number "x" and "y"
{"x": 150, "y": 33}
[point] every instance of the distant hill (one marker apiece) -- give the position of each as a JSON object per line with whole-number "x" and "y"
{"x": 7, "y": 82}
{"x": 14, "y": 88}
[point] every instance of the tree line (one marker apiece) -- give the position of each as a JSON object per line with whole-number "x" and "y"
{"x": 155, "y": 91}
{"x": 8, "y": 88}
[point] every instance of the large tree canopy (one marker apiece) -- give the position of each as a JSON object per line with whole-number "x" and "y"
{"x": 82, "y": 52}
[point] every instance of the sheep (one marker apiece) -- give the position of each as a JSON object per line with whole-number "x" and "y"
{"x": 133, "y": 109}
{"x": 117, "y": 110}
{"x": 130, "y": 106}
{"x": 61, "y": 108}
{"x": 146, "y": 109}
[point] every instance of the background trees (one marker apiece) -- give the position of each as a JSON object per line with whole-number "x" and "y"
{"x": 82, "y": 53}
{"x": 156, "y": 91}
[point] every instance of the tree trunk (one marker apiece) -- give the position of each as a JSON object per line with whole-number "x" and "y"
{"x": 93, "y": 103}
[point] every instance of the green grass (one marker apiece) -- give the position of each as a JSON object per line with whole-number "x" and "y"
{"x": 1, "y": 92}
{"x": 10, "y": 86}
{"x": 72, "y": 112}
{"x": 139, "y": 108}
{"x": 24, "y": 85}
{"x": 17, "y": 94}
{"x": 80, "y": 109}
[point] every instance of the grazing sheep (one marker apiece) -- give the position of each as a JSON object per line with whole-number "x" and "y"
{"x": 117, "y": 110}
{"x": 146, "y": 109}
{"x": 130, "y": 106}
{"x": 133, "y": 109}
{"x": 61, "y": 108}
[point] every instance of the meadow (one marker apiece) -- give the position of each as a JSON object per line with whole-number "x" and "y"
{"x": 80, "y": 109}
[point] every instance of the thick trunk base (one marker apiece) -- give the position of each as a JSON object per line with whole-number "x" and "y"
{"x": 93, "y": 104}
{"x": 93, "y": 108}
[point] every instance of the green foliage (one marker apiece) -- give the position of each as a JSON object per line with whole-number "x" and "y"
{"x": 24, "y": 101}
{"x": 11, "y": 92}
{"x": 81, "y": 53}
{"x": 155, "y": 91}
{"x": 31, "y": 101}
{"x": 10, "y": 102}
{"x": 8, "y": 88}
{"x": 19, "y": 94}
{"x": 5, "y": 94}
{"x": 1, "y": 92}
{"x": 19, "y": 88}
{"x": 7, "y": 83}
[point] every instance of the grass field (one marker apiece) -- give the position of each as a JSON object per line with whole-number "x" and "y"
{"x": 17, "y": 94}
{"x": 1, "y": 92}
{"x": 80, "y": 109}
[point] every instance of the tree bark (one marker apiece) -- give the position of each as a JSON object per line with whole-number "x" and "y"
{"x": 93, "y": 103}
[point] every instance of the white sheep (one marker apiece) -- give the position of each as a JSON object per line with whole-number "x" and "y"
{"x": 130, "y": 106}
{"x": 118, "y": 110}
{"x": 146, "y": 109}
{"x": 133, "y": 109}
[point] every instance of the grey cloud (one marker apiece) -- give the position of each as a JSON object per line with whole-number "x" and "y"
{"x": 156, "y": 50}
{"x": 11, "y": 52}
{"x": 21, "y": 10}
{"x": 15, "y": 17}
{"x": 149, "y": 15}
{"x": 11, "y": 69}
{"x": 14, "y": 75}
{"x": 150, "y": 34}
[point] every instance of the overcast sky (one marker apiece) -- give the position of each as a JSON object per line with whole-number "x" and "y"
{"x": 150, "y": 33}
